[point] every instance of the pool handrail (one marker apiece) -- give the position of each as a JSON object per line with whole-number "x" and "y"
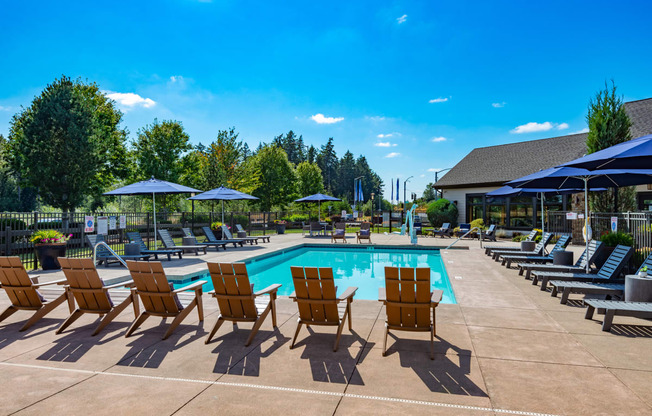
{"x": 465, "y": 234}
{"x": 103, "y": 243}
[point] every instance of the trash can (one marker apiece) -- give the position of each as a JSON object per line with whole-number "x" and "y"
{"x": 132, "y": 249}
{"x": 638, "y": 289}
{"x": 189, "y": 241}
{"x": 528, "y": 245}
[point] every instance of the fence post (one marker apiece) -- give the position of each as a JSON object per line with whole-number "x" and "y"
{"x": 35, "y": 228}
{"x": 264, "y": 223}
{"x": 148, "y": 246}
{"x": 249, "y": 223}
{"x": 8, "y": 240}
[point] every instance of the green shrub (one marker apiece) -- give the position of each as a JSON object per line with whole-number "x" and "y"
{"x": 441, "y": 211}
{"x": 519, "y": 238}
{"x": 614, "y": 239}
{"x": 241, "y": 219}
{"x": 478, "y": 223}
{"x": 14, "y": 223}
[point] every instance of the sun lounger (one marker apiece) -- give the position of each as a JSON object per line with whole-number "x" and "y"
{"x": 102, "y": 255}
{"x": 236, "y": 298}
{"x": 168, "y": 242}
{"x": 22, "y": 290}
{"x": 135, "y": 238}
{"x": 490, "y": 234}
{"x": 595, "y": 248}
{"x": 226, "y": 233}
{"x": 560, "y": 245}
{"x": 317, "y": 300}
{"x": 187, "y": 232}
{"x": 490, "y": 248}
{"x": 608, "y": 289}
{"x": 364, "y": 233}
{"x": 160, "y": 298}
{"x": 408, "y": 302}
{"x": 264, "y": 238}
{"x": 444, "y": 230}
{"x": 539, "y": 249}
{"x": 211, "y": 239}
{"x": 609, "y": 271}
{"x": 91, "y": 295}
{"x": 611, "y": 308}
{"x": 339, "y": 233}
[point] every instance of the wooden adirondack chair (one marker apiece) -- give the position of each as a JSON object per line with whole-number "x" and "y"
{"x": 236, "y": 298}
{"x": 408, "y": 300}
{"x": 317, "y": 300}
{"x": 364, "y": 233}
{"x": 87, "y": 288}
{"x": 339, "y": 233}
{"x": 22, "y": 292}
{"x": 158, "y": 296}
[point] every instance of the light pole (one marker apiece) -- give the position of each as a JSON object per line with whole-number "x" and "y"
{"x": 437, "y": 178}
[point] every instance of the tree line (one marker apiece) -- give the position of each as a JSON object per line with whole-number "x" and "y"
{"x": 68, "y": 147}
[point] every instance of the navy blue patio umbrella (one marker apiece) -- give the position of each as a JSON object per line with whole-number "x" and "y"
{"x": 632, "y": 154}
{"x": 319, "y": 198}
{"x": 152, "y": 186}
{"x": 566, "y": 177}
{"x": 222, "y": 194}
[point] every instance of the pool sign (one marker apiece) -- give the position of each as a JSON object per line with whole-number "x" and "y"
{"x": 571, "y": 215}
{"x": 112, "y": 223}
{"x": 123, "y": 222}
{"x": 89, "y": 224}
{"x": 103, "y": 225}
{"x": 614, "y": 224}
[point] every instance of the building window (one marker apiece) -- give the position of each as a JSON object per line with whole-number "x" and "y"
{"x": 520, "y": 212}
{"x": 496, "y": 211}
{"x": 474, "y": 207}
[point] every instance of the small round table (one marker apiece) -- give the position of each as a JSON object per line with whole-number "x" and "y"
{"x": 638, "y": 289}
{"x": 189, "y": 241}
{"x": 132, "y": 249}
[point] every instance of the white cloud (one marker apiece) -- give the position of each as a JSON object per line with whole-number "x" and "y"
{"x": 402, "y": 19}
{"x": 385, "y": 144}
{"x": 498, "y": 105}
{"x": 319, "y": 118}
{"x": 381, "y": 136}
{"x": 438, "y": 100}
{"x": 533, "y": 127}
{"x": 176, "y": 78}
{"x": 393, "y": 154}
{"x": 422, "y": 176}
{"x": 562, "y": 126}
{"x": 130, "y": 100}
{"x": 438, "y": 139}
{"x": 374, "y": 118}
{"x": 584, "y": 130}
{"x": 3, "y": 108}
{"x": 432, "y": 170}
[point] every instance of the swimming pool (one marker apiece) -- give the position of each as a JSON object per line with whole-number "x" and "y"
{"x": 363, "y": 267}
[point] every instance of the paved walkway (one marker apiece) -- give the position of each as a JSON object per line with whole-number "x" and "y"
{"x": 505, "y": 348}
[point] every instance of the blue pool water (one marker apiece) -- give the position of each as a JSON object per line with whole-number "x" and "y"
{"x": 363, "y": 267}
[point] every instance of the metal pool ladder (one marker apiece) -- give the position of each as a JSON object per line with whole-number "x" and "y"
{"x": 103, "y": 243}
{"x": 465, "y": 234}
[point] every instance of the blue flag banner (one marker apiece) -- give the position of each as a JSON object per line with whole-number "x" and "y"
{"x": 391, "y": 182}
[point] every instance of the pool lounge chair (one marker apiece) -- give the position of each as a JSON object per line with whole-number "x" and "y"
{"x": 304, "y": 227}
{"x": 560, "y": 245}
{"x": 317, "y": 300}
{"x": 22, "y": 290}
{"x": 408, "y": 302}
{"x": 607, "y": 289}
{"x": 135, "y": 238}
{"x": 490, "y": 248}
{"x": 102, "y": 255}
{"x": 211, "y": 239}
{"x": 539, "y": 249}
{"x": 465, "y": 228}
{"x": 187, "y": 232}
{"x": 490, "y": 234}
{"x": 595, "y": 248}
{"x": 264, "y": 238}
{"x": 227, "y": 234}
{"x": 160, "y": 298}
{"x": 364, "y": 233}
{"x": 168, "y": 242}
{"x": 611, "y": 308}
{"x": 91, "y": 295}
{"x": 339, "y": 233}
{"x": 609, "y": 271}
{"x": 236, "y": 298}
{"x": 444, "y": 230}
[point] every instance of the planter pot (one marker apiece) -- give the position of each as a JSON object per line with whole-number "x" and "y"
{"x": 47, "y": 255}
{"x": 638, "y": 289}
{"x": 280, "y": 228}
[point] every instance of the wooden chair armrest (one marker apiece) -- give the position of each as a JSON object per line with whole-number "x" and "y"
{"x": 382, "y": 295}
{"x": 436, "y": 296}
{"x": 128, "y": 283}
{"x": 293, "y": 295}
{"x": 34, "y": 278}
{"x": 193, "y": 286}
{"x": 54, "y": 282}
{"x": 348, "y": 293}
{"x": 269, "y": 289}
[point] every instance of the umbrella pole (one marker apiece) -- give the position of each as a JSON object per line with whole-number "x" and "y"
{"x": 543, "y": 223}
{"x": 154, "y": 207}
{"x": 222, "y": 212}
{"x": 319, "y": 212}
{"x": 586, "y": 221}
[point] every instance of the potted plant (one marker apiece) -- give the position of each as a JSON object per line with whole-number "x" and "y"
{"x": 49, "y": 245}
{"x": 610, "y": 241}
{"x": 217, "y": 229}
{"x": 280, "y": 226}
{"x": 643, "y": 272}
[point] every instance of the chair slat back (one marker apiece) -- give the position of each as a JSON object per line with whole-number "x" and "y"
{"x": 232, "y": 279}
{"x": 365, "y": 226}
{"x": 315, "y": 283}
{"x": 166, "y": 238}
{"x": 82, "y": 274}
{"x": 532, "y": 235}
{"x": 594, "y": 247}
{"x": 647, "y": 263}
{"x": 135, "y": 238}
{"x": 16, "y": 282}
{"x": 616, "y": 262}
{"x": 94, "y": 239}
{"x": 560, "y": 245}
{"x": 491, "y": 230}
{"x": 209, "y": 233}
{"x": 150, "y": 280}
{"x": 545, "y": 239}
{"x": 227, "y": 233}
{"x": 187, "y": 232}
{"x": 239, "y": 228}
{"x": 340, "y": 226}
{"x": 405, "y": 289}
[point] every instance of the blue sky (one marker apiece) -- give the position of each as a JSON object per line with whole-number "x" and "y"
{"x": 412, "y": 85}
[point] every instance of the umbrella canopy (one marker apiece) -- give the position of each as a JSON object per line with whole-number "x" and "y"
{"x": 222, "y": 194}
{"x": 632, "y": 154}
{"x": 317, "y": 198}
{"x": 152, "y": 186}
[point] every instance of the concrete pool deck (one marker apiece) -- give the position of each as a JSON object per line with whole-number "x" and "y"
{"x": 504, "y": 348}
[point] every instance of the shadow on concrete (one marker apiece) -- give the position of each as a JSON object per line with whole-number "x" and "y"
{"x": 236, "y": 359}
{"x": 632, "y": 331}
{"x": 10, "y": 333}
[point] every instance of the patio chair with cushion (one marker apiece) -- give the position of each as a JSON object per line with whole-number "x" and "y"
{"x": 91, "y": 294}
{"x": 530, "y": 237}
{"x": 135, "y": 238}
{"x": 595, "y": 248}
{"x": 102, "y": 255}
{"x": 364, "y": 233}
{"x": 560, "y": 245}
{"x": 408, "y": 302}
{"x": 237, "y": 300}
{"x": 316, "y": 297}
{"x": 339, "y": 233}
{"x": 159, "y": 296}
{"x": 240, "y": 229}
{"x": 444, "y": 230}
{"x": 539, "y": 249}
{"x": 22, "y": 290}
{"x": 316, "y": 227}
{"x": 490, "y": 234}
{"x": 304, "y": 227}
{"x": 168, "y": 243}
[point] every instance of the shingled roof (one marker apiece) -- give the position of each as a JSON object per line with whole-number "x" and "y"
{"x": 495, "y": 165}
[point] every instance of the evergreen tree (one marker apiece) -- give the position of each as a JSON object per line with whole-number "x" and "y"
{"x": 327, "y": 162}
{"x": 346, "y": 173}
{"x": 311, "y": 154}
